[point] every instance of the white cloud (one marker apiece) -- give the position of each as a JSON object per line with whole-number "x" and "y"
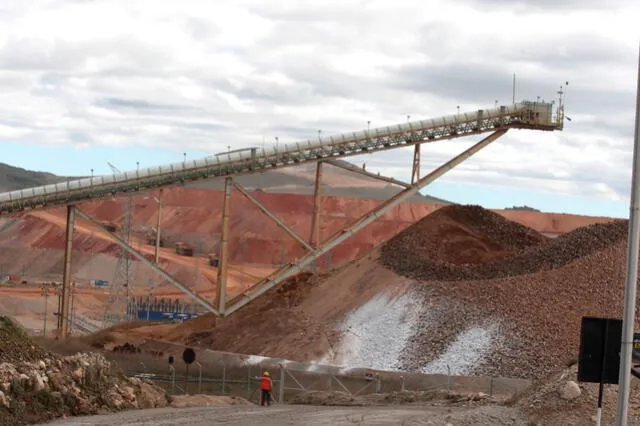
{"x": 198, "y": 74}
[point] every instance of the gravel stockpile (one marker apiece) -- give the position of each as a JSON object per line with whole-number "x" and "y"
{"x": 458, "y": 235}
{"x": 530, "y": 302}
{"x": 411, "y": 253}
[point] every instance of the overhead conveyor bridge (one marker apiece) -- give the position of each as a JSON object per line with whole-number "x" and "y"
{"x": 524, "y": 115}
{"x": 496, "y": 121}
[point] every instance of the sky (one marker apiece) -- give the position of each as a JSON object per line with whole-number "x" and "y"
{"x": 83, "y": 82}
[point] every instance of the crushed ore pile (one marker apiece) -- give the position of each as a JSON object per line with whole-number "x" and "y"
{"x": 37, "y": 386}
{"x": 526, "y": 305}
{"x": 478, "y": 244}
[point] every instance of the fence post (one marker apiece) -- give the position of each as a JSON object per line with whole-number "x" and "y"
{"x": 402, "y": 384}
{"x": 281, "y": 388}
{"x": 224, "y": 377}
{"x": 199, "y": 377}
{"x": 173, "y": 379}
{"x": 448, "y": 379}
{"x": 378, "y": 383}
{"x": 249, "y": 382}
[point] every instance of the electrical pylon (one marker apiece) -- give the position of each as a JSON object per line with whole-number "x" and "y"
{"x": 120, "y": 290}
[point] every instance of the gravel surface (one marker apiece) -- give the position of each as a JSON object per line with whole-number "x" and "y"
{"x": 307, "y": 415}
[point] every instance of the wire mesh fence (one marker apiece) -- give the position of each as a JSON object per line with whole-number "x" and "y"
{"x": 242, "y": 380}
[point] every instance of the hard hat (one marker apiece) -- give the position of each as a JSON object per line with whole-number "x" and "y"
{"x": 266, "y": 373}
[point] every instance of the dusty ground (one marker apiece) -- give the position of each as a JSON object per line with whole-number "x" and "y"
{"x": 306, "y": 415}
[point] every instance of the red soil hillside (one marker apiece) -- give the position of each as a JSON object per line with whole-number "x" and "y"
{"x": 194, "y": 216}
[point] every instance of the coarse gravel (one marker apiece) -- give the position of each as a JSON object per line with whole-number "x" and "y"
{"x": 534, "y": 296}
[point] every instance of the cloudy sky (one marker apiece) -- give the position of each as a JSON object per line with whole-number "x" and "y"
{"x": 83, "y": 82}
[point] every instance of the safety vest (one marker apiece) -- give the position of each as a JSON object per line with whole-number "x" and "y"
{"x": 265, "y": 383}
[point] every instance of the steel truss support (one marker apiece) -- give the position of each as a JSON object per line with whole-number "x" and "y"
{"x": 65, "y": 327}
{"x": 352, "y": 168}
{"x": 272, "y": 216}
{"x": 221, "y": 283}
{"x": 314, "y": 238}
{"x": 135, "y": 253}
{"x": 158, "y": 224}
{"x": 271, "y": 281}
{"x": 415, "y": 170}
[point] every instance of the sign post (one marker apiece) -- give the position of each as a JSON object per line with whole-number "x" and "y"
{"x": 599, "y": 359}
{"x": 188, "y": 356}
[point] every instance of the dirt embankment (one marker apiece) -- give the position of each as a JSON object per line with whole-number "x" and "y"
{"x": 272, "y": 325}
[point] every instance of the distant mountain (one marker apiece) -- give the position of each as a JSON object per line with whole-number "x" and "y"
{"x": 12, "y": 178}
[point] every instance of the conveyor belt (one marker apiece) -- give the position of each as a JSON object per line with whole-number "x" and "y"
{"x": 524, "y": 115}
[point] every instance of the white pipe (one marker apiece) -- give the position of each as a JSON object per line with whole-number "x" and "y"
{"x": 632, "y": 274}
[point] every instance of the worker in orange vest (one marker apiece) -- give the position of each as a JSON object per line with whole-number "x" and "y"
{"x": 265, "y": 389}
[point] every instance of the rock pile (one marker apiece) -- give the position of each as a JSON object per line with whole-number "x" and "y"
{"x": 37, "y": 386}
{"x": 528, "y": 304}
{"x": 458, "y": 235}
{"x": 413, "y": 253}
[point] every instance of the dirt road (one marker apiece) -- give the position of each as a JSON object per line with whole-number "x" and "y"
{"x": 298, "y": 415}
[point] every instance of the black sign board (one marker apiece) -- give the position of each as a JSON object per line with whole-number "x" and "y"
{"x": 599, "y": 359}
{"x": 635, "y": 356}
{"x": 188, "y": 356}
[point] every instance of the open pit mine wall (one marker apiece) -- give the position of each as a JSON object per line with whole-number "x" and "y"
{"x": 194, "y": 216}
{"x": 551, "y": 224}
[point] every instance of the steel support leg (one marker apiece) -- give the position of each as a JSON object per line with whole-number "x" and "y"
{"x": 415, "y": 170}
{"x": 314, "y": 239}
{"x": 264, "y": 285}
{"x": 141, "y": 257}
{"x": 158, "y": 227}
{"x": 221, "y": 293}
{"x": 66, "y": 275}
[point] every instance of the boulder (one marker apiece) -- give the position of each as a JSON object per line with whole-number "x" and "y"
{"x": 569, "y": 390}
